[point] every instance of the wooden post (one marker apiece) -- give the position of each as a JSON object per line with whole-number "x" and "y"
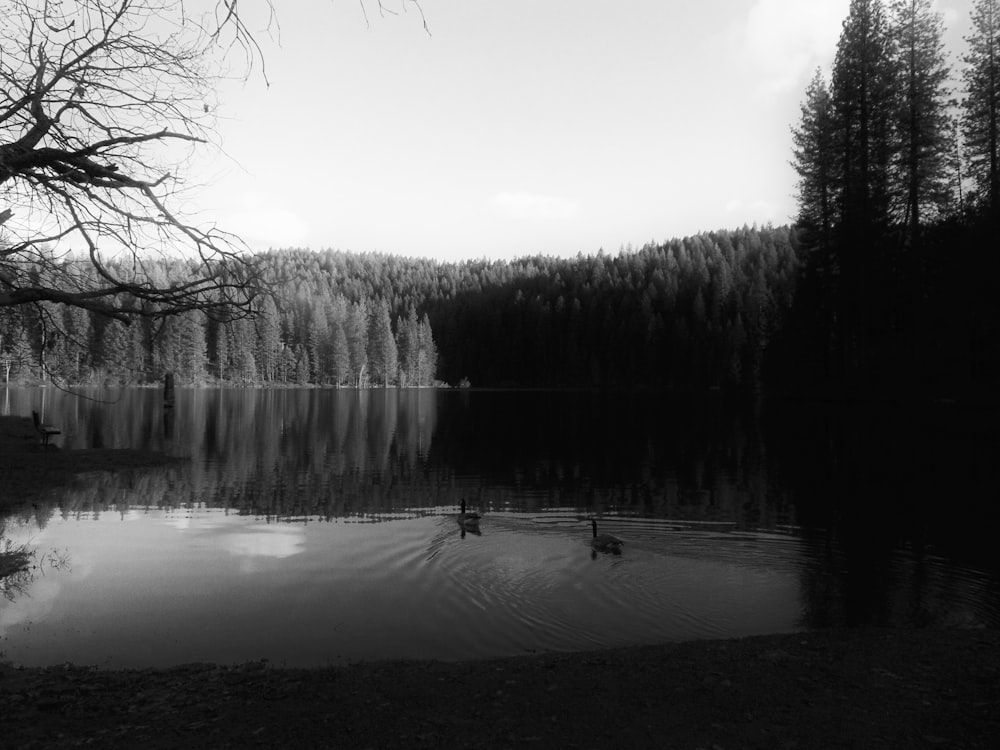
{"x": 168, "y": 391}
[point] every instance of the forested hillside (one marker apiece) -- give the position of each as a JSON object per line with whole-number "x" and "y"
{"x": 692, "y": 313}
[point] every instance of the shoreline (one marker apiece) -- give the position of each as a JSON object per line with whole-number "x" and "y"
{"x": 28, "y": 470}
{"x": 865, "y": 687}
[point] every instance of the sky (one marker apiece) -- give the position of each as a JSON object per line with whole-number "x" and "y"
{"x": 518, "y": 127}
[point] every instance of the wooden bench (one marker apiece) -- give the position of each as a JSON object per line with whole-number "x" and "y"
{"x": 45, "y": 430}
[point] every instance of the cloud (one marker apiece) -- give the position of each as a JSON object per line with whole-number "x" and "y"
{"x": 786, "y": 40}
{"x": 534, "y": 206}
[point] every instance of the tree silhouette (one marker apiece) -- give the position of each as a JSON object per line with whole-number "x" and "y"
{"x": 981, "y": 106}
{"x": 923, "y": 127}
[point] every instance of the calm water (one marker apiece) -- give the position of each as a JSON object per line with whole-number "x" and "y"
{"x": 314, "y": 527}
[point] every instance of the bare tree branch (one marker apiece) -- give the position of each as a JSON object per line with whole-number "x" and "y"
{"x": 95, "y": 97}
{"x": 102, "y": 104}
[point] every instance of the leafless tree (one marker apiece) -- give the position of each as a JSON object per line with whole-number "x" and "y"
{"x": 102, "y": 103}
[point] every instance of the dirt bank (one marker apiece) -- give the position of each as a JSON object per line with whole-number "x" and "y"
{"x": 829, "y": 689}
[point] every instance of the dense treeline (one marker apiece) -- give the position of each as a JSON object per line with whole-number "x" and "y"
{"x": 317, "y": 328}
{"x": 690, "y": 313}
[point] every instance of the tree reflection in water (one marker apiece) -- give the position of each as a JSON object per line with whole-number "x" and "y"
{"x": 881, "y": 511}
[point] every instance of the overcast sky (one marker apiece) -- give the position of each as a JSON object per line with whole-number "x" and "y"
{"x": 520, "y": 126}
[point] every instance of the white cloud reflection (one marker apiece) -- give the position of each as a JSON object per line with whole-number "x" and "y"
{"x": 265, "y": 541}
{"x": 241, "y": 537}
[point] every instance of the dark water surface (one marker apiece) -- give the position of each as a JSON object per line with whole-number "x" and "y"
{"x": 317, "y": 526}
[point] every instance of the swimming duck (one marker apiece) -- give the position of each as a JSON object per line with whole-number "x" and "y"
{"x": 468, "y": 521}
{"x": 605, "y": 542}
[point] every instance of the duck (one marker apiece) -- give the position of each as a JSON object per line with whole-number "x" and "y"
{"x": 605, "y": 542}
{"x": 468, "y": 521}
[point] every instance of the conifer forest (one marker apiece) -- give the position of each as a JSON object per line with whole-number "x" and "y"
{"x": 885, "y": 283}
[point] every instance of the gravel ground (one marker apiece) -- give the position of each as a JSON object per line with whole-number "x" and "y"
{"x": 861, "y": 688}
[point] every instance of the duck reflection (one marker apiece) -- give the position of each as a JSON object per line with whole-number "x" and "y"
{"x": 468, "y": 521}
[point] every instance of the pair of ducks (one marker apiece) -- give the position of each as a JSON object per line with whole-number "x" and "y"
{"x": 600, "y": 542}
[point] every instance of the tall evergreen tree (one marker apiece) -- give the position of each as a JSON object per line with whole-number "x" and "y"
{"x": 407, "y": 345}
{"x": 268, "y": 353}
{"x": 382, "y": 354}
{"x": 112, "y": 350}
{"x": 341, "y": 355}
{"x": 865, "y": 107}
{"x": 193, "y": 352}
{"x": 922, "y": 124}
{"x": 864, "y": 104}
{"x": 75, "y": 344}
{"x": 357, "y": 342}
{"x": 427, "y": 356}
{"x": 243, "y": 337}
{"x": 286, "y": 366}
{"x": 318, "y": 341}
{"x": 222, "y": 352}
{"x": 981, "y": 105}
{"x": 816, "y": 163}
{"x": 166, "y": 347}
{"x": 302, "y": 366}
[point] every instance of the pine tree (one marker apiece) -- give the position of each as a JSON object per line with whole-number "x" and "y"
{"x": 137, "y": 352}
{"x": 357, "y": 341}
{"x": 111, "y": 350}
{"x": 427, "y": 356}
{"x": 268, "y": 339}
{"x": 922, "y": 124}
{"x": 382, "y": 354}
{"x": 341, "y": 356}
{"x": 319, "y": 340}
{"x": 864, "y": 106}
{"x": 166, "y": 347}
{"x": 981, "y": 105}
{"x": 407, "y": 346}
{"x": 74, "y": 345}
{"x": 302, "y": 366}
{"x": 193, "y": 351}
{"x": 222, "y": 351}
{"x": 243, "y": 344}
{"x": 286, "y": 371}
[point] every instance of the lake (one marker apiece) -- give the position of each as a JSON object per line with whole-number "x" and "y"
{"x": 315, "y": 527}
